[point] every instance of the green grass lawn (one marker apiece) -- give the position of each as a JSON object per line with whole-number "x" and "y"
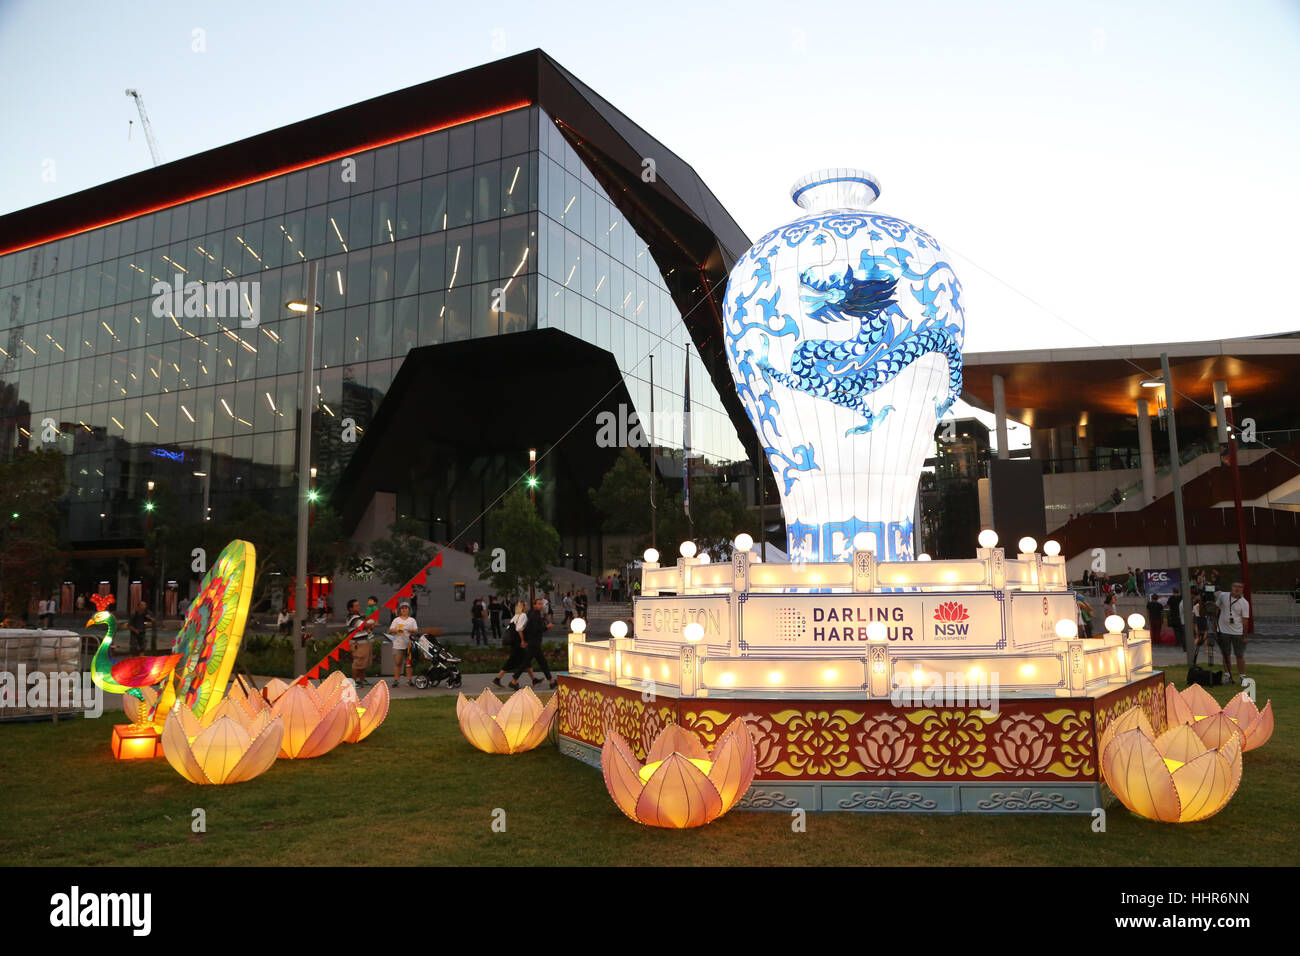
{"x": 416, "y": 793}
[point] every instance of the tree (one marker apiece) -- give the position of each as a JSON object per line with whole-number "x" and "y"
{"x": 30, "y": 557}
{"x": 401, "y": 555}
{"x": 529, "y": 545}
{"x": 274, "y": 535}
{"x": 624, "y": 499}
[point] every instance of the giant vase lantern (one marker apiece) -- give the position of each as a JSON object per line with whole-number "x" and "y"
{"x": 844, "y": 331}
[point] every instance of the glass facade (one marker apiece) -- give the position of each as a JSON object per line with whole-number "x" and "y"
{"x": 483, "y": 229}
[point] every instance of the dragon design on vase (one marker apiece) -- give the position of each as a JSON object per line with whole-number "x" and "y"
{"x": 847, "y": 372}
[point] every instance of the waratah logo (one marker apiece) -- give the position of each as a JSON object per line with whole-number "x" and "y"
{"x": 951, "y": 612}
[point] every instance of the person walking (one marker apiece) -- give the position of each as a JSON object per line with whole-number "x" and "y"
{"x": 1174, "y": 607}
{"x": 568, "y": 607}
{"x": 1210, "y": 613}
{"x": 477, "y": 631}
{"x": 362, "y": 647}
{"x": 495, "y": 610}
{"x": 1085, "y": 615}
{"x": 534, "y": 630}
{"x": 580, "y": 602}
{"x": 1233, "y": 611}
{"x": 401, "y": 631}
{"x": 1155, "y": 618}
{"x": 514, "y": 641}
{"x": 136, "y": 624}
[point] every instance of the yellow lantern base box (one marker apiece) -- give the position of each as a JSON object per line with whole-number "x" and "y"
{"x": 135, "y": 743}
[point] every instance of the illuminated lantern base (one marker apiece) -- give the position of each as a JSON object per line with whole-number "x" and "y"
{"x": 135, "y": 743}
{"x": 1032, "y": 754}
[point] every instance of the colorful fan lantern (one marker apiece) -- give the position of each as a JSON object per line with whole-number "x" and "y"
{"x": 520, "y": 724}
{"x": 209, "y": 638}
{"x": 1173, "y": 778}
{"x": 681, "y": 784}
{"x": 230, "y": 748}
{"x": 1240, "y": 716}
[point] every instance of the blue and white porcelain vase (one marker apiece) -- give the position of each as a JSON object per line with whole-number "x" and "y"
{"x": 844, "y": 332}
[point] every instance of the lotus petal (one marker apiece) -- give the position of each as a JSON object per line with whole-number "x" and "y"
{"x": 678, "y": 794}
{"x": 1204, "y": 785}
{"x": 329, "y": 732}
{"x": 734, "y": 761}
{"x": 274, "y": 689}
{"x": 176, "y": 748}
{"x": 257, "y": 724}
{"x": 1131, "y": 719}
{"x": 219, "y": 747}
{"x": 622, "y": 773}
{"x": 189, "y": 723}
{"x": 1256, "y": 725}
{"x": 490, "y": 704}
{"x": 252, "y": 703}
{"x": 228, "y": 708}
{"x": 332, "y": 689}
{"x": 1136, "y": 773}
{"x": 675, "y": 739}
{"x": 1199, "y": 701}
{"x": 1217, "y": 729}
{"x": 1176, "y": 709}
{"x": 1180, "y": 743}
{"x": 480, "y": 729}
{"x": 261, "y": 753}
{"x": 541, "y": 726}
{"x": 518, "y": 715}
{"x": 375, "y": 706}
{"x": 308, "y": 732}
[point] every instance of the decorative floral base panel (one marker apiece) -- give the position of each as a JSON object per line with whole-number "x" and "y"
{"x": 1034, "y": 755}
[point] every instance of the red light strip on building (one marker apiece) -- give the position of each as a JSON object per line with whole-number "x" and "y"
{"x": 271, "y": 175}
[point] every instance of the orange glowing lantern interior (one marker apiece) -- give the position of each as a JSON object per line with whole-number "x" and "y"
{"x": 135, "y": 743}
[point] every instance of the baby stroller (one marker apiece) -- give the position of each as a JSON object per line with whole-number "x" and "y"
{"x": 442, "y": 664}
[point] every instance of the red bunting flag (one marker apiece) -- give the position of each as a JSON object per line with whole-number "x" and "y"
{"x": 406, "y": 591}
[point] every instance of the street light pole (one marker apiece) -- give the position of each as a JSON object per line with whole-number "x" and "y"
{"x": 1236, "y": 502}
{"x": 1185, "y": 606}
{"x": 304, "y": 466}
{"x": 532, "y": 499}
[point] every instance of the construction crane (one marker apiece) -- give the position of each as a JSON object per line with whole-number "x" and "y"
{"x": 148, "y": 130}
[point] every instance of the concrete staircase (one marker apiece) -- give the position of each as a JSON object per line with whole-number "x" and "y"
{"x": 601, "y": 616}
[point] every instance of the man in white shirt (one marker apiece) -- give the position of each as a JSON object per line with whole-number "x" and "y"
{"x": 1233, "y": 611}
{"x": 401, "y": 631}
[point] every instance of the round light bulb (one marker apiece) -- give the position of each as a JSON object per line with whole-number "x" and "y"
{"x": 876, "y": 631}
{"x": 704, "y": 557}
{"x": 1137, "y": 621}
{"x": 988, "y": 538}
{"x": 1028, "y": 545}
{"x": 1114, "y": 624}
{"x": 694, "y": 632}
{"x": 862, "y": 541}
{"x": 618, "y": 629}
{"x": 923, "y": 557}
{"x": 578, "y": 625}
{"x": 687, "y": 549}
{"x": 651, "y": 556}
{"x": 743, "y": 542}
{"x": 1051, "y": 548}
{"x": 1066, "y": 629}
